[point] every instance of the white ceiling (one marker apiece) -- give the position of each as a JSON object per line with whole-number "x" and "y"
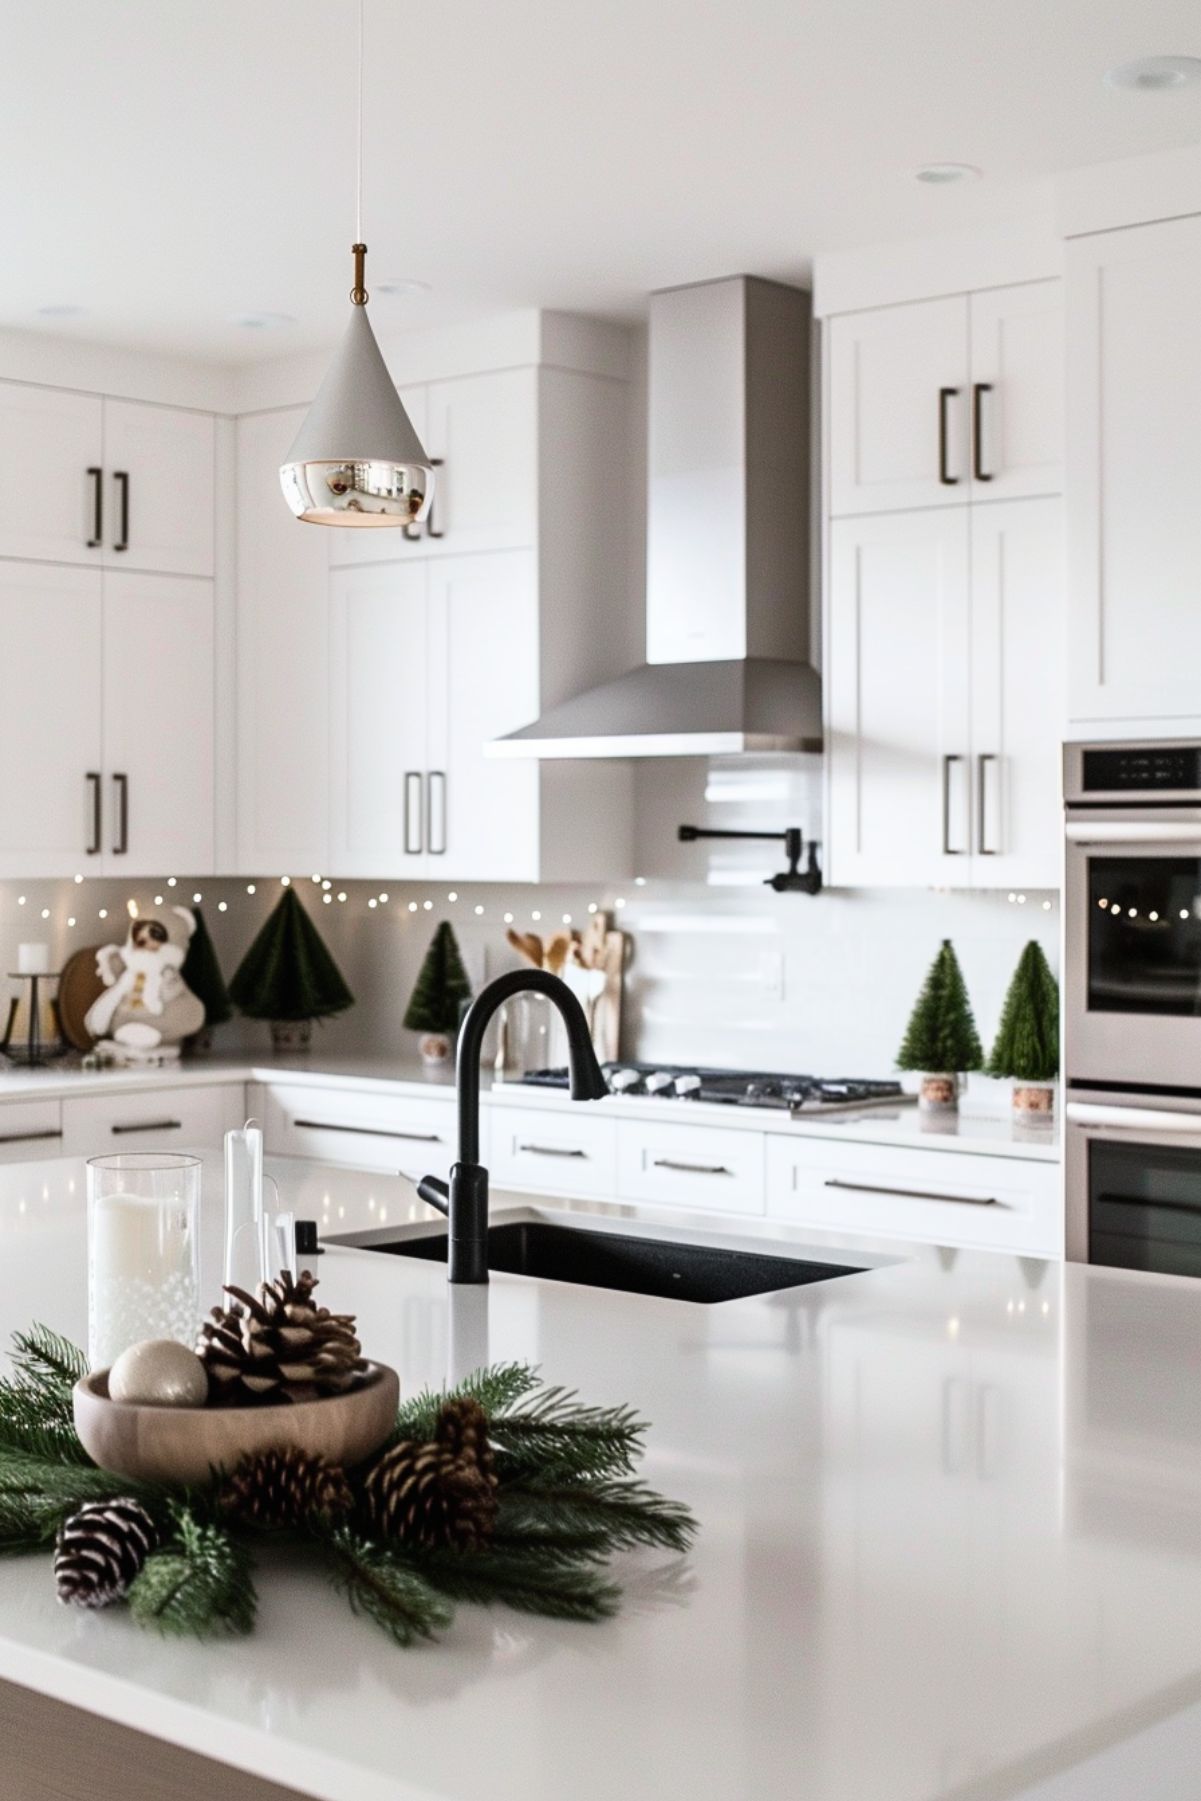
{"x": 166, "y": 164}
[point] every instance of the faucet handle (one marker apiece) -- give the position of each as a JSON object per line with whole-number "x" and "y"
{"x": 435, "y": 1193}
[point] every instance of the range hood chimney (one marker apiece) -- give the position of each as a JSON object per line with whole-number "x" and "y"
{"x": 727, "y": 605}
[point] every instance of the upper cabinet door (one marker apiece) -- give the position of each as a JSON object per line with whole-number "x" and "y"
{"x": 1017, "y": 391}
{"x": 159, "y": 488}
{"x": 158, "y": 725}
{"x": 378, "y": 691}
{"x": 52, "y": 495}
{"x": 1134, "y": 475}
{"x": 283, "y": 663}
{"x": 1018, "y": 632}
{"x": 483, "y": 819}
{"x": 483, "y": 430}
{"x": 899, "y": 408}
{"x": 51, "y": 628}
{"x": 384, "y": 543}
{"x": 897, "y": 679}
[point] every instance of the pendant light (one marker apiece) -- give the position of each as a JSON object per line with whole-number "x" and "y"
{"x": 357, "y": 460}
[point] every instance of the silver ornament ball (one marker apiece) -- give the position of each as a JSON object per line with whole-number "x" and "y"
{"x": 158, "y": 1372}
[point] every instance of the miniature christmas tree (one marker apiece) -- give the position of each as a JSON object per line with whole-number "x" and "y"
{"x": 441, "y": 986}
{"x": 288, "y": 974}
{"x": 941, "y": 1035}
{"x": 1027, "y": 1042}
{"x": 202, "y": 973}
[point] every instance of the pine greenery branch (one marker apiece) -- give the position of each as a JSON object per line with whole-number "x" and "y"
{"x": 496, "y": 1388}
{"x": 621, "y": 1515}
{"x": 558, "y": 1438}
{"x": 198, "y": 1585}
{"x": 49, "y": 1359}
{"x": 386, "y": 1588}
{"x": 37, "y": 1494}
{"x": 35, "y": 1405}
{"x": 1027, "y": 1041}
{"x": 941, "y": 1037}
{"x": 535, "y": 1578}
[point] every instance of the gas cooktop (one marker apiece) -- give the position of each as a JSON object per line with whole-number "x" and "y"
{"x": 737, "y": 1087}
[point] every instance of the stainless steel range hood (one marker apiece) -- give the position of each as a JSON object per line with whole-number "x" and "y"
{"x": 727, "y": 542}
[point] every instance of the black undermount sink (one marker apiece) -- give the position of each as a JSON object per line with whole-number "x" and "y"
{"x": 651, "y": 1266}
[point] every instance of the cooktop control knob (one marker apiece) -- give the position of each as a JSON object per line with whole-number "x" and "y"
{"x": 623, "y": 1079}
{"x": 686, "y": 1085}
{"x": 659, "y": 1082}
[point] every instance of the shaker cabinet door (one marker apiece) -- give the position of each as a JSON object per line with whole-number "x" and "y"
{"x": 159, "y": 474}
{"x": 898, "y": 719}
{"x": 899, "y": 413}
{"x": 51, "y": 630}
{"x": 52, "y": 489}
{"x": 1017, "y": 391}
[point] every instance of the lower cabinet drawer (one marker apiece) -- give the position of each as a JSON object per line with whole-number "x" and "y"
{"x": 564, "y": 1152}
{"x": 416, "y": 1136}
{"x": 685, "y": 1167}
{"x": 940, "y": 1197}
{"x": 163, "y": 1119}
{"x": 30, "y": 1129}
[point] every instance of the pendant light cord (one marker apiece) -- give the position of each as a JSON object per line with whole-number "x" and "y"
{"x": 358, "y": 190}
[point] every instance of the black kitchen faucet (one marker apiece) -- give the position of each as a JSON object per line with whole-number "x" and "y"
{"x": 465, "y": 1201}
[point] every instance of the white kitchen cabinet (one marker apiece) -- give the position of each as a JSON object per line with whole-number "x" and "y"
{"x": 569, "y": 1152}
{"x": 159, "y": 751}
{"x": 174, "y": 1118}
{"x": 944, "y": 683}
{"x": 1017, "y": 690}
{"x": 159, "y": 468}
{"x": 941, "y": 402}
{"x": 51, "y": 473}
{"x": 283, "y": 662}
{"x": 482, "y": 432}
{"x": 1134, "y": 475}
{"x": 898, "y": 736}
{"x": 29, "y": 1130}
{"x": 51, "y": 634}
{"x": 364, "y": 1129}
{"x": 675, "y": 1165}
{"x": 379, "y": 693}
{"x": 1017, "y": 391}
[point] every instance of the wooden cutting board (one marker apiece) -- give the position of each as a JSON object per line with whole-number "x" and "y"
{"x": 78, "y": 986}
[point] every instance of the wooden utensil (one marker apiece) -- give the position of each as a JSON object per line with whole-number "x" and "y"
{"x": 78, "y": 986}
{"x": 557, "y": 951}
{"x": 527, "y": 945}
{"x": 592, "y": 944}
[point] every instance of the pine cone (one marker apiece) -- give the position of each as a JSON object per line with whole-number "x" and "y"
{"x": 100, "y": 1550}
{"x": 463, "y": 1428}
{"x": 425, "y": 1494}
{"x": 285, "y": 1488}
{"x": 278, "y": 1346}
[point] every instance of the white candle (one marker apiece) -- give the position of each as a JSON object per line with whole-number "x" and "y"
{"x": 33, "y": 959}
{"x": 141, "y": 1274}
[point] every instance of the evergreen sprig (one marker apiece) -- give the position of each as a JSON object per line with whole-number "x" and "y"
{"x": 38, "y": 1493}
{"x": 496, "y": 1388}
{"x": 198, "y": 1586}
{"x": 617, "y": 1516}
{"x": 557, "y": 1437}
{"x": 35, "y": 1405}
{"x": 531, "y": 1578}
{"x": 383, "y": 1585}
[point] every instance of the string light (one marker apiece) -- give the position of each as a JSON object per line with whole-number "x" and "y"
{"x": 285, "y": 881}
{"x": 1184, "y": 912}
{"x": 71, "y": 922}
{"x": 316, "y": 878}
{"x": 373, "y": 902}
{"x": 452, "y": 896}
{"x": 103, "y": 913}
{"x": 45, "y": 912}
{"x": 640, "y": 881}
{"x": 412, "y": 906}
{"x": 197, "y": 898}
{"x": 592, "y": 907}
{"x": 328, "y": 899}
{"x": 620, "y": 901}
{"x": 158, "y": 900}
{"x": 341, "y": 894}
{"x": 327, "y": 883}
{"x": 567, "y": 919}
{"x": 250, "y": 887}
{"x": 427, "y": 905}
{"x": 20, "y": 900}
{"x": 508, "y": 919}
{"x": 383, "y": 900}
{"x": 78, "y": 879}
{"x": 535, "y": 914}
{"x": 131, "y": 907}
{"x": 170, "y": 881}
{"x": 479, "y": 909}
{"x": 223, "y": 906}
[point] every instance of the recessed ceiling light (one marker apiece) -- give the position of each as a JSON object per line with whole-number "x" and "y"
{"x": 402, "y": 284}
{"x": 262, "y": 321}
{"x": 1155, "y": 74}
{"x": 61, "y": 309}
{"x": 944, "y": 175}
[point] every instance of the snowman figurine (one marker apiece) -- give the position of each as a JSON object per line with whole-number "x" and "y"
{"x": 147, "y": 1009}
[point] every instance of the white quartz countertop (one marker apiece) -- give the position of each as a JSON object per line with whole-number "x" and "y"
{"x": 988, "y": 1133}
{"x": 950, "y": 1540}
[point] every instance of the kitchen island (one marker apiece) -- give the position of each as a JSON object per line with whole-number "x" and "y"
{"x": 950, "y": 1542}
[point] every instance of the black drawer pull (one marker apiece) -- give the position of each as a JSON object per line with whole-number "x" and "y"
{"x": 913, "y": 1194}
{"x": 26, "y": 1137}
{"x": 326, "y": 1125}
{"x": 693, "y": 1169}
{"x": 550, "y": 1150}
{"x": 151, "y": 1125}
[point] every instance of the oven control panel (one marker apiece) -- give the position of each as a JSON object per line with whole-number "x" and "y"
{"x": 1146, "y": 769}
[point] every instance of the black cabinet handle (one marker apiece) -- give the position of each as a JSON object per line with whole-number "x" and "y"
{"x": 947, "y": 764}
{"x": 27, "y": 1137}
{"x": 412, "y": 816}
{"x": 93, "y": 781}
{"x": 435, "y": 849}
{"x": 945, "y": 396}
{"x": 692, "y": 1169}
{"x": 982, "y": 763}
{"x": 430, "y": 530}
{"x": 150, "y": 1125}
{"x": 122, "y": 481}
{"x": 978, "y": 392}
{"x": 97, "y": 537}
{"x": 121, "y": 784}
{"x": 913, "y": 1194}
{"x": 550, "y": 1150}
{"x": 329, "y": 1125}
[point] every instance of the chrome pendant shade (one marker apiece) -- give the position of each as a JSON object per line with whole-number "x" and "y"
{"x": 356, "y": 459}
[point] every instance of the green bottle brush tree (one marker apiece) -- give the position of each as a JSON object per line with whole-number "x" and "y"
{"x": 201, "y": 972}
{"x": 1027, "y": 1041}
{"x": 289, "y": 977}
{"x": 439, "y": 994}
{"x": 941, "y": 1041}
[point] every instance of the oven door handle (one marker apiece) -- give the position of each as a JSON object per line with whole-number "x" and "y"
{"x": 1133, "y": 831}
{"x": 1133, "y": 1119}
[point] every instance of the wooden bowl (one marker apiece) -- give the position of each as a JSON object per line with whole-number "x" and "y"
{"x": 187, "y": 1444}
